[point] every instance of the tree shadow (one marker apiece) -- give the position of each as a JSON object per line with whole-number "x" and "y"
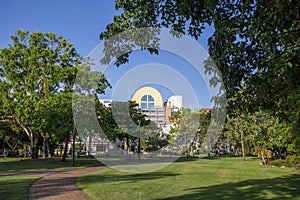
{"x": 187, "y": 159}
{"x": 46, "y": 164}
{"x": 286, "y": 187}
{"x": 126, "y": 178}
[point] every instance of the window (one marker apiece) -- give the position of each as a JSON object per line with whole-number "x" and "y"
{"x": 147, "y": 102}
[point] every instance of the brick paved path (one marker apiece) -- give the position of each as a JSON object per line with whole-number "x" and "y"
{"x": 59, "y": 184}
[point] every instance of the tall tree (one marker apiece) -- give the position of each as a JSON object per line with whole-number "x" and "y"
{"x": 88, "y": 85}
{"x": 33, "y": 69}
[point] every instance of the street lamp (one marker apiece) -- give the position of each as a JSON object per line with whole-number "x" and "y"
{"x": 73, "y": 139}
{"x": 139, "y": 141}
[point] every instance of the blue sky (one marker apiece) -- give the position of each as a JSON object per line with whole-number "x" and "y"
{"x": 81, "y": 22}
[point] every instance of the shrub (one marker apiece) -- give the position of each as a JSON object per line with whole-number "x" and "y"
{"x": 293, "y": 159}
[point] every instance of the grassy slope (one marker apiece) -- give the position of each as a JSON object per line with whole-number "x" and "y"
{"x": 227, "y": 178}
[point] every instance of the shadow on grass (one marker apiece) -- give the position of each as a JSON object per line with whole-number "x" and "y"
{"x": 128, "y": 178}
{"x": 185, "y": 159}
{"x": 52, "y": 163}
{"x": 287, "y": 187}
{"x": 248, "y": 157}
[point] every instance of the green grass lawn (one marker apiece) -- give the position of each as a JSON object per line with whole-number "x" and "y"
{"x": 225, "y": 178}
{"x": 19, "y": 163}
{"x": 15, "y": 187}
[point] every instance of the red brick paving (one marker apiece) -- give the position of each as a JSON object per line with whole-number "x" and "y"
{"x": 59, "y": 185}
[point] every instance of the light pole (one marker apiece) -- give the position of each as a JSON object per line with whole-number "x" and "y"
{"x": 73, "y": 140}
{"x": 139, "y": 142}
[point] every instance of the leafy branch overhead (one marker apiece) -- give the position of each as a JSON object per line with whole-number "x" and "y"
{"x": 255, "y": 45}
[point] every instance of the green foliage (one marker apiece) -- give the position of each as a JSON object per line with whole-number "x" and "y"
{"x": 204, "y": 123}
{"x": 155, "y": 142}
{"x": 295, "y": 131}
{"x": 123, "y": 120}
{"x": 37, "y": 73}
{"x": 255, "y": 45}
{"x": 260, "y": 131}
{"x": 56, "y": 118}
{"x": 189, "y": 128}
{"x": 129, "y": 119}
{"x": 294, "y": 159}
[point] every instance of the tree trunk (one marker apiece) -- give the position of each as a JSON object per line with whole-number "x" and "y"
{"x": 263, "y": 158}
{"x": 63, "y": 158}
{"x": 49, "y": 152}
{"x": 44, "y": 147}
{"x": 242, "y": 142}
{"x": 12, "y": 148}
{"x": 31, "y": 137}
{"x": 35, "y": 146}
{"x": 24, "y": 150}
{"x": 280, "y": 150}
{"x": 89, "y": 145}
{"x": 127, "y": 145}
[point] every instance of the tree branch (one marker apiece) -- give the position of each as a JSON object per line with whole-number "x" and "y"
{"x": 27, "y": 130}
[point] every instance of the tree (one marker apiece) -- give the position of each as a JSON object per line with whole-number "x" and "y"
{"x": 132, "y": 123}
{"x": 58, "y": 123}
{"x": 204, "y": 123}
{"x": 253, "y": 41}
{"x": 255, "y": 46}
{"x": 257, "y": 132}
{"x": 107, "y": 123}
{"x": 33, "y": 70}
{"x": 88, "y": 85}
{"x": 190, "y": 128}
{"x": 238, "y": 128}
{"x": 12, "y": 137}
{"x": 124, "y": 121}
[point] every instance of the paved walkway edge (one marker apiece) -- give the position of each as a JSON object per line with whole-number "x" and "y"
{"x": 60, "y": 185}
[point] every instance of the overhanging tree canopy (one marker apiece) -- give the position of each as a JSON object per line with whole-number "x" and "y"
{"x": 255, "y": 45}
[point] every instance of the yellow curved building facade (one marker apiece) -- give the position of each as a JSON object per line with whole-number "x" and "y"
{"x": 152, "y": 105}
{"x": 140, "y": 93}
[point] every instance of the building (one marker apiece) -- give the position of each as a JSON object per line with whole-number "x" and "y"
{"x": 173, "y": 104}
{"x": 151, "y": 104}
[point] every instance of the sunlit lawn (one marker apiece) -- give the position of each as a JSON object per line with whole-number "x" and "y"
{"x": 226, "y": 178}
{"x": 19, "y": 163}
{"x": 15, "y": 187}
